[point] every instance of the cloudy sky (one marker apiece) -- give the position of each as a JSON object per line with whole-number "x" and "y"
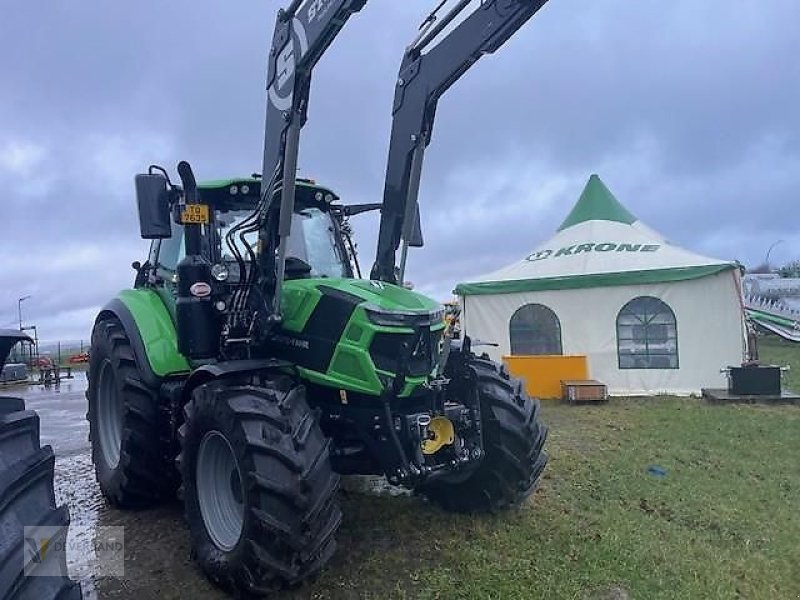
{"x": 689, "y": 111}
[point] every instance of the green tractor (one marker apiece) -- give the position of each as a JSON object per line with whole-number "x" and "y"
{"x": 251, "y": 365}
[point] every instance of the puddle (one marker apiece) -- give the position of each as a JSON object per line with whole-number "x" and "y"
{"x": 62, "y": 413}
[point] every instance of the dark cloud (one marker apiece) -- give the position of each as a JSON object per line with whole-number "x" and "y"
{"x": 686, "y": 109}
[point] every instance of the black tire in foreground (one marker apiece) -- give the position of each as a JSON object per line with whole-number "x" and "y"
{"x": 131, "y": 462}
{"x": 27, "y": 499}
{"x": 513, "y": 439}
{"x": 258, "y": 487}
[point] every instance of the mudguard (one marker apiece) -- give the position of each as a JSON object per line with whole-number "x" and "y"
{"x": 208, "y": 372}
{"x": 151, "y": 331}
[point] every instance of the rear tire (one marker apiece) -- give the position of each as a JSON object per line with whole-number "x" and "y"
{"x": 259, "y": 491}
{"x": 129, "y": 458}
{"x": 26, "y": 500}
{"x": 513, "y": 439}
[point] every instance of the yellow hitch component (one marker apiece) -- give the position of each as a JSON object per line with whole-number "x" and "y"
{"x": 443, "y": 435}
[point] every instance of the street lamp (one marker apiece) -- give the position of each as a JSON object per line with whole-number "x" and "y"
{"x": 775, "y": 243}
{"x": 19, "y": 310}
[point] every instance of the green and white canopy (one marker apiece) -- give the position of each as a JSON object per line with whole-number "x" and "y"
{"x": 600, "y": 243}
{"x": 598, "y": 267}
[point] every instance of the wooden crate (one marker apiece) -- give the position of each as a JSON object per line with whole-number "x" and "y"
{"x": 580, "y": 391}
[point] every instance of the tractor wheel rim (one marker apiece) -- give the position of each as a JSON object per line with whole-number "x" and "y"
{"x": 220, "y": 491}
{"x": 109, "y": 415}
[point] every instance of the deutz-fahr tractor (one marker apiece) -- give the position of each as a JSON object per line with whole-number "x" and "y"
{"x": 250, "y": 365}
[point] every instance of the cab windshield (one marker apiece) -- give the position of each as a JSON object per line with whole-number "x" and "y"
{"x": 313, "y": 240}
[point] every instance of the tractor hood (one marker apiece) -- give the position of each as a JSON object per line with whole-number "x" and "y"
{"x": 390, "y": 297}
{"x": 384, "y": 303}
{"x": 9, "y": 337}
{"x": 392, "y": 305}
{"x": 349, "y": 334}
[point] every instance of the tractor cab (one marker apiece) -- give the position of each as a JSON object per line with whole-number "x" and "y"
{"x": 315, "y": 247}
{"x": 319, "y": 245}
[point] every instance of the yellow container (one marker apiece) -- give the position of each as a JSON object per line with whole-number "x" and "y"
{"x": 543, "y": 374}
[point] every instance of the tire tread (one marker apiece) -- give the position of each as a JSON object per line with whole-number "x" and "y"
{"x": 27, "y": 498}
{"x": 291, "y": 475}
{"x": 146, "y": 474}
{"x": 514, "y": 439}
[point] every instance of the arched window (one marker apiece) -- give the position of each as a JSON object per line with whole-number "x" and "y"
{"x": 534, "y": 329}
{"x": 647, "y": 335}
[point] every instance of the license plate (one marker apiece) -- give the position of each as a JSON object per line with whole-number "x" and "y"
{"x": 195, "y": 214}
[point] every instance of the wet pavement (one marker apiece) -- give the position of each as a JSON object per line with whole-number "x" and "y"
{"x": 62, "y": 411}
{"x": 157, "y": 549}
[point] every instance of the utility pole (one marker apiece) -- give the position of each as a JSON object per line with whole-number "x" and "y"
{"x": 19, "y": 310}
{"x": 766, "y": 259}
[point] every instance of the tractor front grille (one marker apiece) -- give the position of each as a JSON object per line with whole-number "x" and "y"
{"x": 387, "y": 348}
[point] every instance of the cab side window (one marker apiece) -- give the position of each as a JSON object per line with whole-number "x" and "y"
{"x": 170, "y": 252}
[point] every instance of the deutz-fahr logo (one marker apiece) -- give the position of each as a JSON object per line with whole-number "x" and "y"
{"x": 282, "y": 89}
{"x": 591, "y": 247}
{"x": 292, "y": 341}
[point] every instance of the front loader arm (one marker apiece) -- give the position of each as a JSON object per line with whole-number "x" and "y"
{"x": 424, "y": 77}
{"x": 302, "y": 34}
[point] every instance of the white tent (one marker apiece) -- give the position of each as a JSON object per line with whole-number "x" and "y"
{"x": 650, "y": 316}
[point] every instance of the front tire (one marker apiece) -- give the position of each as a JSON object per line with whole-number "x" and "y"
{"x": 129, "y": 458}
{"x": 513, "y": 440}
{"x": 259, "y": 491}
{"x": 28, "y": 512}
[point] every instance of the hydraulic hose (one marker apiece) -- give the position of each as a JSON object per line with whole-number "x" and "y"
{"x": 387, "y": 411}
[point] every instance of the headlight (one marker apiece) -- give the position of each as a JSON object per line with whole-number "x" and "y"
{"x": 403, "y": 318}
{"x": 219, "y": 272}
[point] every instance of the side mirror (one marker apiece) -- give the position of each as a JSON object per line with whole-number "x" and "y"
{"x": 153, "y": 201}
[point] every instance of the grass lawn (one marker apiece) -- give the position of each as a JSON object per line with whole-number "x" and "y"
{"x": 775, "y": 351}
{"x": 723, "y": 522}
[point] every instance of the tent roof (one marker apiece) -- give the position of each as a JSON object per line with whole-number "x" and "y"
{"x": 600, "y": 243}
{"x": 597, "y": 203}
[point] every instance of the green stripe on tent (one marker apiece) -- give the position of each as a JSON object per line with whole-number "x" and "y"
{"x": 574, "y": 282}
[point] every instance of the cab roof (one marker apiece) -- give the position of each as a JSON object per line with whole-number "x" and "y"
{"x": 252, "y": 187}
{"x": 243, "y": 193}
